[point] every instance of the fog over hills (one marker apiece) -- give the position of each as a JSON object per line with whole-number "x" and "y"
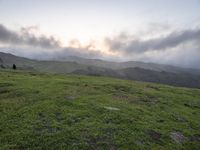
{"x": 132, "y": 70}
{"x": 130, "y": 64}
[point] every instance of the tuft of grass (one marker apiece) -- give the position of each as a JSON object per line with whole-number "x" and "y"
{"x": 51, "y": 111}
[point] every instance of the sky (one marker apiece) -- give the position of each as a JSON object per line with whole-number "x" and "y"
{"x": 159, "y": 31}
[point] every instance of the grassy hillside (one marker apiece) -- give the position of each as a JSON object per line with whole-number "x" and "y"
{"x": 45, "y": 111}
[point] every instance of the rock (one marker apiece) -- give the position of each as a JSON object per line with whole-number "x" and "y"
{"x": 69, "y": 97}
{"x": 178, "y": 137}
{"x": 111, "y": 108}
{"x": 140, "y": 142}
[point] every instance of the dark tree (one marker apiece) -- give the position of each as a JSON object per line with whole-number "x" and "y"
{"x": 1, "y": 61}
{"x": 14, "y": 67}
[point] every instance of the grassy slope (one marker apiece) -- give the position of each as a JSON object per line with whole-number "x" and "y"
{"x": 68, "y": 111}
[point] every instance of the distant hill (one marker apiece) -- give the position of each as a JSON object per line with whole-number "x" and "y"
{"x": 140, "y": 74}
{"x": 129, "y": 64}
{"x": 42, "y": 66}
{"x": 140, "y": 71}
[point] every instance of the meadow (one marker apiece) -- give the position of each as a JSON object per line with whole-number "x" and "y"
{"x": 57, "y": 111}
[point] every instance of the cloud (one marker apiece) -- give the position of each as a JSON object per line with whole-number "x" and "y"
{"x": 129, "y": 44}
{"x": 174, "y": 47}
{"x": 181, "y": 48}
{"x": 26, "y": 38}
{"x": 186, "y": 55}
{"x": 29, "y": 42}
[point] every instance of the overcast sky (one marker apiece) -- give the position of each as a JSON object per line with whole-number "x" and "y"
{"x": 157, "y": 31}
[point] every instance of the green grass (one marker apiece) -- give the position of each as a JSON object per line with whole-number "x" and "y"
{"x": 46, "y": 111}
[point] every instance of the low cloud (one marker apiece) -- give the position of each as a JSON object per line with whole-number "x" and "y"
{"x": 128, "y": 44}
{"x": 28, "y": 43}
{"x": 25, "y": 38}
{"x": 180, "y": 48}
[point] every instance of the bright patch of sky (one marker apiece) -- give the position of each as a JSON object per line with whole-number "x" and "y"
{"x": 94, "y": 19}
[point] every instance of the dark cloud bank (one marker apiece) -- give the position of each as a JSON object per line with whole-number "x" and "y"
{"x": 180, "y": 48}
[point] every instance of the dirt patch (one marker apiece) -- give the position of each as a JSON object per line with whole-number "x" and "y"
{"x": 148, "y": 100}
{"x": 94, "y": 142}
{"x": 46, "y": 126}
{"x": 121, "y": 97}
{"x": 154, "y": 135}
{"x": 126, "y": 98}
{"x": 106, "y": 138}
{"x": 194, "y": 138}
{"x": 143, "y": 99}
{"x": 178, "y": 137}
